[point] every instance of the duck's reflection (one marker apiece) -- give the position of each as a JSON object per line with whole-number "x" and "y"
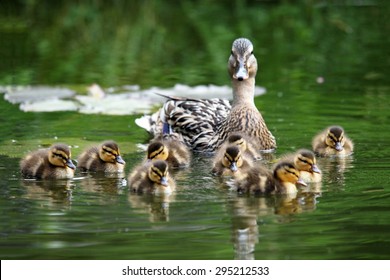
{"x": 52, "y": 193}
{"x": 334, "y": 169}
{"x": 110, "y": 183}
{"x": 155, "y": 206}
{"x": 245, "y": 229}
{"x": 246, "y": 211}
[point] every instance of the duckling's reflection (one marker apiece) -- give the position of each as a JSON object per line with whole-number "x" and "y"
{"x": 247, "y": 209}
{"x": 110, "y": 183}
{"x": 53, "y": 193}
{"x": 245, "y": 230}
{"x": 334, "y": 169}
{"x": 157, "y": 206}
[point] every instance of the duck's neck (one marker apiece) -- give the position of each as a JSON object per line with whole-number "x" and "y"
{"x": 243, "y": 91}
{"x": 289, "y": 187}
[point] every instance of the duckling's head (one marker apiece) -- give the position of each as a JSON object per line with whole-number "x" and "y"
{"x": 232, "y": 158}
{"x": 158, "y": 172}
{"x": 286, "y": 172}
{"x": 242, "y": 63}
{"x": 335, "y": 138}
{"x": 239, "y": 141}
{"x": 60, "y": 155}
{"x": 109, "y": 152}
{"x": 305, "y": 160}
{"x": 157, "y": 150}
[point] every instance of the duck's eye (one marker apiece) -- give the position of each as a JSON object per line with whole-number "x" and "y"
{"x": 251, "y": 52}
{"x": 292, "y": 172}
{"x": 59, "y": 156}
{"x": 109, "y": 152}
{"x": 304, "y": 161}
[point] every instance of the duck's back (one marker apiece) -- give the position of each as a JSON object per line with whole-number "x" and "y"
{"x": 90, "y": 160}
{"x": 196, "y": 119}
{"x": 138, "y": 180}
{"x": 257, "y": 180}
{"x": 32, "y": 166}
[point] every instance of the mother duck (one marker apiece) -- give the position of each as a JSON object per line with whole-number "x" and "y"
{"x": 204, "y": 124}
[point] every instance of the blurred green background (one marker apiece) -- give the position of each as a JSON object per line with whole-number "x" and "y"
{"x": 153, "y": 42}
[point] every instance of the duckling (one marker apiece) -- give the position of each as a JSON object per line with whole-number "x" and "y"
{"x": 152, "y": 177}
{"x": 204, "y": 124}
{"x": 287, "y": 176}
{"x": 170, "y": 149}
{"x": 260, "y": 180}
{"x": 332, "y": 141}
{"x": 103, "y": 158}
{"x": 231, "y": 162}
{"x": 306, "y": 163}
{"x": 52, "y": 163}
{"x": 246, "y": 145}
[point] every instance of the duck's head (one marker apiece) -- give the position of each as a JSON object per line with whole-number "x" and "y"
{"x": 237, "y": 140}
{"x": 158, "y": 172}
{"x": 157, "y": 150}
{"x": 60, "y": 155}
{"x": 232, "y": 158}
{"x": 109, "y": 152}
{"x": 305, "y": 160}
{"x": 242, "y": 62}
{"x": 335, "y": 138}
{"x": 286, "y": 172}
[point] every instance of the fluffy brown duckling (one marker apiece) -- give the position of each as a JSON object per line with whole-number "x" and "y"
{"x": 259, "y": 180}
{"x": 245, "y": 143}
{"x": 306, "y": 162}
{"x": 231, "y": 162}
{"x": 332, "y": 141}
{"x": 103, "y": 158}
{"x": 52, "y": 163}
{"x": 152, "y": 177}
{"x": 170, "y": 149}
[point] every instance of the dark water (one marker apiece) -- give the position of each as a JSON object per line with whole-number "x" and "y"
{"x": 95, "y": 217}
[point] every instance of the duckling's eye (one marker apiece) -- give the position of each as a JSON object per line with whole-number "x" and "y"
{"x": 334, "y": 140}
{"x": 109, "y": 152}
{"x": 157, "y": 172}
{"x": 252, "y": 52}
{"x": 228, "y": 159}
{"x": 60, "y": 156}
{"x": 304, "y": 161}
{"x": 292, "y": 172}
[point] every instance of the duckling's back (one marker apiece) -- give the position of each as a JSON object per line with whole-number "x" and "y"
{"x": 138, "y": 179}
{"x": 258, "y": 180}
{"x": 179, "y": 154}
{"x": 90, "y": 160}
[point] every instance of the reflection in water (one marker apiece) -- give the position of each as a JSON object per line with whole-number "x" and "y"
{"x": 110, "y": 183}
{"x": 245, "y": 230}
{"x": 334, "y": 169}
{"x": 52, "y": 193}
{"x": 156, "y": 206}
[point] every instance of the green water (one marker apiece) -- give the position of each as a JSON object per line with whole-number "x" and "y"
{"x": 95, "y": 217}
